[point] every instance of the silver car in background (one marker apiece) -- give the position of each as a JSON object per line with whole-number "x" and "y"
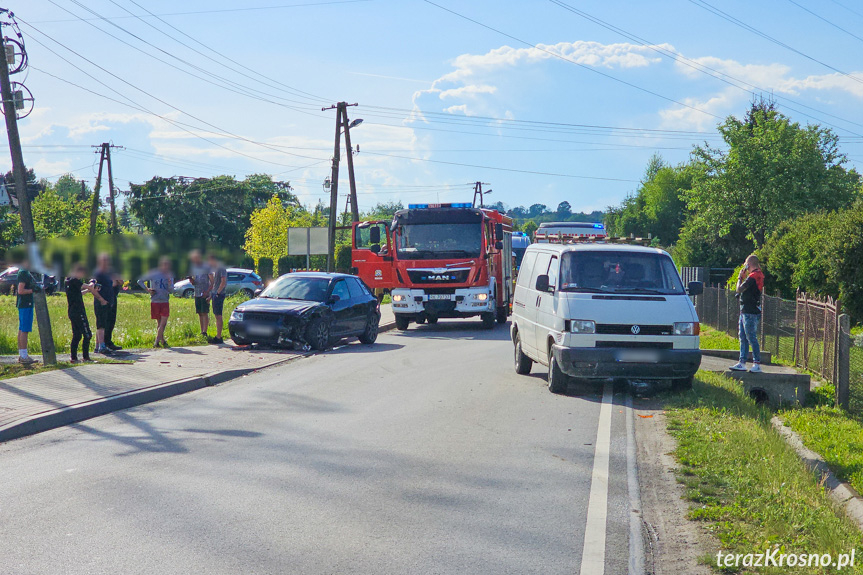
{"x": 239, "y": 281}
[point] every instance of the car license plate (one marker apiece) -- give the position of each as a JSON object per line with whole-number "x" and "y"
{"x": 260, "y": 330}
{"x": 445, "y": 296}
{"x": 638, "y": 356}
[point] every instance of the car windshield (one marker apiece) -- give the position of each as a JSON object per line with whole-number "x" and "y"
{"x": 439, "y": 241}
{"x": 619, "y": 272}
{"x": 301, "y": 288}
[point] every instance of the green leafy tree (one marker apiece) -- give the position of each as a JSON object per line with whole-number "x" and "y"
{"x": 267, "y": 236}
{"x": 530, "y": 228}
{"x": 564, "y": 210}
{"x": 383, "y": 210}
{"x": 67, "y": 188}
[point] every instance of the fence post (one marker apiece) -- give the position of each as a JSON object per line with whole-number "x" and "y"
{"x": 824, "y": 354}
{"x": 843, "y": 353}
{"x": 796, "y": 352}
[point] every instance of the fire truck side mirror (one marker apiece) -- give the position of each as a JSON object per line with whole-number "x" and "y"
{"x": 375, "y": 235}
{"x": 498, "y": 233}
{"x": 375, "y": 249}
{"x": 498, "y": 245}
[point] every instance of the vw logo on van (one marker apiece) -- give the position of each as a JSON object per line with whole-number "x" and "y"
{"x": 636, "y": 329}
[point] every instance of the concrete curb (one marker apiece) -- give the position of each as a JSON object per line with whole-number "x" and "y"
{"x": 63, "y": 416}
{"x": 840, "y": 492}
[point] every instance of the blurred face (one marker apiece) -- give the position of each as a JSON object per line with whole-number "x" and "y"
{"x": 195, "y": 257}
{"x": 104, "y": 262}
{"x": 78, "y": 273}
{"x": 165, "y": 266}
{"x": 752, "y": 262}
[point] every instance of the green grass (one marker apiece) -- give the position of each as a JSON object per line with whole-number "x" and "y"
{"x": 746, "y": 485}
{"x": 715, "y": 339}
{"x": 134, "y": 327}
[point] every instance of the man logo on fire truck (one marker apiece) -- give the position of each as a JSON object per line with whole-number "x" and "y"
{"x": 439, "y": 261}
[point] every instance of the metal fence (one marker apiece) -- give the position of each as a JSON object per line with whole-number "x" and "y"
{"x": 810, "y": 333}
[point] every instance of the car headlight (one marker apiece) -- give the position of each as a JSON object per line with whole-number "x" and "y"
{"x": 687, "y": 328}
{"x": 237, "y": 315}
{"x": 398, "y": 297}
{"x": 582, "y": 326}
{"x": 481, "y": 296}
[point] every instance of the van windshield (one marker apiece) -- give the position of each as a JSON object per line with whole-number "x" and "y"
{"x": 619, "y": 272}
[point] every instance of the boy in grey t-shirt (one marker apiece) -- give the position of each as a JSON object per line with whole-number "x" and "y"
{"x": 159, "y": 284}
{"x": 200, "y": 278}
{"x": 219, "y": 280}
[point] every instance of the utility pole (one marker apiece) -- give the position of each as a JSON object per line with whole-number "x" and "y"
{"x": 478, "y": 193}
{"x": 104, "y": 157}
{"x": 43, "y": 319}
{"x": 341, "y": 116}
{"x": 355, "y": 210}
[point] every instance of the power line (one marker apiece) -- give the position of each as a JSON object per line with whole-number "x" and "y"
{"x": 838, "y": 27}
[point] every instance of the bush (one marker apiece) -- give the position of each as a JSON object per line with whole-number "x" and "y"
{"x": 265, "y": 268}
{"x": 343, "y": 258}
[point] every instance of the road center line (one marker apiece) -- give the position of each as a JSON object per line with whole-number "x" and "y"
{"x": 593, "y": 553}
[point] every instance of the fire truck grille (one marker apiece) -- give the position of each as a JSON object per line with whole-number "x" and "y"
{"x": 432, "y": 277}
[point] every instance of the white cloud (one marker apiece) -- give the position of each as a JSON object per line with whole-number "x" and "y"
{"x": 469, "y": 90}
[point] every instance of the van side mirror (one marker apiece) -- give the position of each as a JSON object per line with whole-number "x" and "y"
{"x": 498, "y": 232}
{"x": 375, "y": 235}
{"x": 542, "y": 283}
{"x": 695, "y": 288}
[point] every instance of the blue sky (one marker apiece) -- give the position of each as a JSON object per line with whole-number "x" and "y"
{"x": 542, "y": 103}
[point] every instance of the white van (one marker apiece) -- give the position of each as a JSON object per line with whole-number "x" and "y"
{"x": 600, "y": 310}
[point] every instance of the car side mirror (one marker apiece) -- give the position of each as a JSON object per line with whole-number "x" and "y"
{"x": 542, "y": 283}
{"x": 375, "y": 249}
{"x": 498, "y": 232}
{"x": 258, "y": 292}
{"x": 375, "y": 235}
{"x": 334, "y": 298}
{"x": 695, "y": 288}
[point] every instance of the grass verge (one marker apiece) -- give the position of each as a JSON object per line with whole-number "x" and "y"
{"x": 746, "y": 485}
{"x": 715, "y": 339}
{"x": 134, "y": 327}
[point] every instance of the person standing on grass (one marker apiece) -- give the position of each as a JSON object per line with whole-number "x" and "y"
{"x": 200, "y": 278}
{"x": 750, "y": 284}
{"x": 159, "y": 284}
{"x": 104, "y": 281}
{"x": 218, "y": 281}
{"x": 117, "y": 285}
{"x": 24, "y": 303}
{"x": 75, "y": 290}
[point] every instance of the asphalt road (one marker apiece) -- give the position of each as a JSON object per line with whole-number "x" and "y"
{"x": 424, "y": 453}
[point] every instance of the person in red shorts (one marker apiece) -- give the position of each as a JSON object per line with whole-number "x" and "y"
{"x": 159, "y": 284}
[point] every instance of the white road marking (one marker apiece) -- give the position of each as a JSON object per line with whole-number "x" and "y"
{"x": 593, "y": 553}
{"x": 636, "y": 541}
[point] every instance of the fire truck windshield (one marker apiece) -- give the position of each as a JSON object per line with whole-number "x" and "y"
{"x": 439, "y": 241}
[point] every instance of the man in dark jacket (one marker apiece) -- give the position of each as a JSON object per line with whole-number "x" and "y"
{"x": 750, "y": 285}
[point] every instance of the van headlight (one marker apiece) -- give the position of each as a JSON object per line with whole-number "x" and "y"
{"x": 237, "y": 315}
{"x": 398, "y": 297}
{"x": 582, "y": 326}
{"x": 481, "y": 296}
{"x": 687, "y": 328}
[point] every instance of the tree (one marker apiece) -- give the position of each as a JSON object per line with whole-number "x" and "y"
{"x": 564, "y": 209}
{"x": 33, "y": 186}
{"x": 518, "y": 212}
{"x": 530, "y": 228}
{"x": 773, "y": 170}
{"x": 536, "y": 210}
{"x": 267, "y": 236}
{"x": 384, "y": 210}
{"x": 67, "y": 187}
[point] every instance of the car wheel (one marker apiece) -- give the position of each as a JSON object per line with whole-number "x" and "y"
{"x": 522, "y": 362}
{"x": 501, "y": 315}
{"x": 432, "y": 319}
{"x": 188, "y": 293}
{"x": 558, "y": 381}
{"x": 371, "y": 332}
{"x": 247, "y": 293}
{"x": 318, "y": 334}
{"x": 682, "y": 383}
{"x": 402, "y": 321}
{"x": 487, "y": 320}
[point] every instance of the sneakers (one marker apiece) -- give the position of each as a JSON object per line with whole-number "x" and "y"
{"x": 104, "y": 350}
{"x": 215, "y": 340}
{"x": 165, "y": 344}
{"x": 74, "y": 360}
{"x": 113, "y": 346}
{"x": 739, "y": 366}
{"x": 756, "y": 368}
{"x": 26, "y": 360}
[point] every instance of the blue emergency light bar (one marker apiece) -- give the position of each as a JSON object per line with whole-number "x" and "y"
{"x": 429, "y": 206}
{"x": 599, "y": 226}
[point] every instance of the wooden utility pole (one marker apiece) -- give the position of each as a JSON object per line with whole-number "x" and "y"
{"x": 355, "y": 210}
{"x": 104, "y": 157}
{"x": 94, "y": 208}
{"x": 341, "y": 119}
{"x": 43, "y": 319}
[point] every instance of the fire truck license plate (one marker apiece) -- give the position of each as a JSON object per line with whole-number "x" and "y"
{"x": 439, "y": 296}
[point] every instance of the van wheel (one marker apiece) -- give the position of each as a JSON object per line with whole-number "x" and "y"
{"x": 558, "y": 381}
{"x": 501, "y": 315}
{"x": 487, "y": 320}
{"x": 682, "y": 383}
{"x": 421, "y": 320}
{"x": 522, "y": 362}
{"x": 432, "y": 319}
{"x": 402, "y": 322}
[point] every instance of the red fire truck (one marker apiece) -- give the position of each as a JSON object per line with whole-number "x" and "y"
{"x": 439, "y": 261}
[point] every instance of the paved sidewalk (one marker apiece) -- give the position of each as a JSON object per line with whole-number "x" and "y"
{"x": 34, "y": 403}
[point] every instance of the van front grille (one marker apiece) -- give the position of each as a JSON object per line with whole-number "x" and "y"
{"x": 641, "y": 344}
{"x": 633, "y": 329}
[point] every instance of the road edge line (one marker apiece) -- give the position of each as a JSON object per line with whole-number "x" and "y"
{"x": 596, "y": 525}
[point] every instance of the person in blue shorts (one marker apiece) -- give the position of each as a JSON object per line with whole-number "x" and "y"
{"x": 24, "y": 303}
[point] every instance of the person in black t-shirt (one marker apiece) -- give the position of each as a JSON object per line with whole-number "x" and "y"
{"x": 75, "y": 289}
{"x": 102, "y": 309}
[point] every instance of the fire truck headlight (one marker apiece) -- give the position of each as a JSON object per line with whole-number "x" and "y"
{"x": 481, "y": 296}
{"x": 399, "y": 297}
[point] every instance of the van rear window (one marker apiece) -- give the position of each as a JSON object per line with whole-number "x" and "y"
{"x": 619, "y": 272}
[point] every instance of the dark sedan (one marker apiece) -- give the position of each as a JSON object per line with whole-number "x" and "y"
{"x": 9, "y": 281}
{"x": 308, "y": 308}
